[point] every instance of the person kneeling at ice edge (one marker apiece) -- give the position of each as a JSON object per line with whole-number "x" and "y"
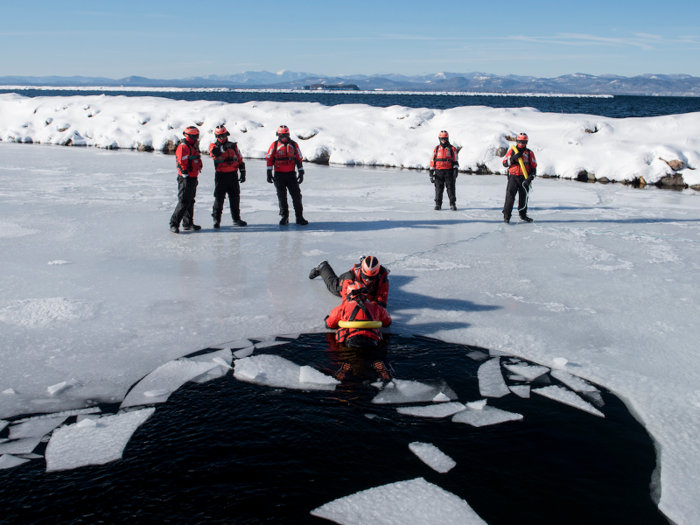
{"x": 368, "y": 272}
{"x": 357, "y": 307}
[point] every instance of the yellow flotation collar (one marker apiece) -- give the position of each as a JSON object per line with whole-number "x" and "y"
{"x": 522, "y": 165}
{"x": 360, "y": 324}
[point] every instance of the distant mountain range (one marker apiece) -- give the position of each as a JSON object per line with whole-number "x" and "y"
{"x": 578, "y": 83}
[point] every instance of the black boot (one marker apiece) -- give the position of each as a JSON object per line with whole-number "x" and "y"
{"x": 525, "y": 218}
{"x": 174, "y": 229}
{"x": 453, "y": 207}
{"x": 438, "y": 206}
{"x": 316, "y": 270}
{"x": 284, "y": 220}
{"x": 302, "y": 221}
{"x": 506, "y": 219}
{"x": 217, "y": 224}
{"x": 239, "y": 222}
{"x": 192, "y": 227}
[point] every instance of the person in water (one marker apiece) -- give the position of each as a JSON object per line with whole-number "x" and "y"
{"x": 368, "y": 272}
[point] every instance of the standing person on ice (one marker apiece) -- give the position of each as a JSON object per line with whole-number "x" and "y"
{"x": 189, "y": 164}
{"x": 444, "y": 168}
{"x": 517, "y": 158}
{"x": 227, "y": 162}
{"x": 284, "y": 155}
{"x": 368, "y": 272}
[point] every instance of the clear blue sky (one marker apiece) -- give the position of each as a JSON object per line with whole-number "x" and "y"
{"x": 177, "y": 39}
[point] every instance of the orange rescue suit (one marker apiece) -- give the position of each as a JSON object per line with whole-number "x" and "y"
{"x": 444, "y": 158}
{"x": 189, "y": 161}
{"x": 229, "y": 160}
{"x": 284, "y": 156}
{"x": 356, "y": 311}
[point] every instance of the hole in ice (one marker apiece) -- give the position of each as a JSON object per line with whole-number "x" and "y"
{"x": 286, "y": 439}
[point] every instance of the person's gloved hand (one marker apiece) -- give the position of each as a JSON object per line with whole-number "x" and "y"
{"x": 300, "y": 176}
{"x": 515, "y": 157}
{"x": 216, "y": 150}
{"x": 269, "y": 176}
{"x": 224, "y": 147}
{"x": 242, "y": 177}
{"x": 456, "y": 173}
{"x": 432, "y": 176}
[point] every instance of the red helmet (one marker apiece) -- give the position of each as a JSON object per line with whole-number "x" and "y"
{"x": 191, "y": 132}
{"x": 356, "y": 290}
{"x": 282, "y": 130}
{"x": 522, "y": 137}
{"x": 370, "y": 267}
{"x": 443, "y": 135}
{"x": 221, "y": 130}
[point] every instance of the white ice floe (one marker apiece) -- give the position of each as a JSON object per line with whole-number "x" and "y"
{"x": 559, "y": 362}
{"x": 93, "y": 442}
{"x": 484, "y": 416}
{"x": 529, "y": 372}
{"x": 65, "y": 413}
{"x": 244, "y": 352}
{"x": 308, "y": 374}
{"x": 9, "y": 392}
{"x": 413, "y": 502}
{"x": 221, "y": 357}
{"x": 432, "y": 456}
{"x": 561, "y": 394}
{"x": 478, "y": 356}
{"x": 275, "y": 371}
{"x": 574, "y": 383}
{"x": 521, "y": 390}
{"x": 36, "y": 427}
{"x": 58, "y": 388}
{"x": 433, "y": 411}
{"x": 491, "y": 383}
{"x": 9, "y": 461}
{"x": 267, "y": 344}
{"x": 400, "y": 391}
{"x": 157, "y": 386}
{"x": 58, "y": 262}
{"x": 3, "y": 424}
{"x": 20, "y": 446}
{"x": 441, "y": 398}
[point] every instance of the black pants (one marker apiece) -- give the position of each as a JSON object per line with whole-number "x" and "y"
{"x": 332, "y": 281}
{"x": 284, "y": 182}
{"x": 516, "y": 184}
{"x": 445, "y": 179}
{"x": 186, "y": 192}
{"x": 226, "y": 183}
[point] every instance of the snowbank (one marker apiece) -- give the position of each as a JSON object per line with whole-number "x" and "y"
{"x": 653, "y": 150}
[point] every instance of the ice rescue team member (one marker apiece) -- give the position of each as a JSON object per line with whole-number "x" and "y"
{"x": 357, "y": 307}
{"x": 284, "y": 156}
{"x": 189, "y": 164}
{"x": 517, "y": 183}
{"x": 444, "y": 168}
{"x": 368, "y": 272}
{"x": 227, "y": 162}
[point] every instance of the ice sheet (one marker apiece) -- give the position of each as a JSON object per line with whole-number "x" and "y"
{"x": 529, "y": 372}
{"x": 484, "y": 417}
{"x": 275, "y": 371}
{"x": 432, "y": 456}
{"x": 491, "y": 383}
{"x": 414, "y": 502}
{"x": 35, "y": 428}
{"x": 434, "y": 411}
{"x": 157, "y": 386}
{"x": 400, "y": 391}
{"x": 93, "y": 442}
{"x": 521, "y": 391}
{"x": 21, "y": 446}
{"x": 9, "y": 461}
{"x": 574, "y": 383}
{"x": 561, "y": 394}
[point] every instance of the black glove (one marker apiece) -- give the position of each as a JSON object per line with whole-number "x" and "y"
{"x": 216, "y": 150}
{"x": 515, "y": 157}
{"x": 432, "y": 176}
{"x": 242, "y": 177}
{"x": 269, "y": 176}
{"x": 300, "y": 177}
{"x": 455, "y": 172}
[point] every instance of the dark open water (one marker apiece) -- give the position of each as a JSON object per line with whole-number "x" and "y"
{"x": 618, "y": 107}
{"x": 232, "y": 452}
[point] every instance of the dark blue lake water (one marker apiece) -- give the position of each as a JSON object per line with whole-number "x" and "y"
{"x": 617, "y": 107}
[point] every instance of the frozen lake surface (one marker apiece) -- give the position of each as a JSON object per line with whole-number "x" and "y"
{"x": 96, "y": 293}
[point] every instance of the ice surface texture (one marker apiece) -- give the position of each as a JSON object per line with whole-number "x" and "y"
{"x": 401, "y": 391}
{"x": 432, "y": 456}
{"x": 276, "y": 371}
{"x": 414, "y": 502}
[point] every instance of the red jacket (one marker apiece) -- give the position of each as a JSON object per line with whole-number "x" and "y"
{"x": 227, "y": 161}
{"x": 189, "y": 161}
{"x": 528, "y": 160}
{"x": 444, "y": 158}
{"x": 284, "y": 156}
{"x": 354, "y": 311}
{"x": 378, "y": 288}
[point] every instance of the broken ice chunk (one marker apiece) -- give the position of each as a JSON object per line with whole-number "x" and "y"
{"x": 440, "y": 398}
{"x": 559, "y": 362}
{"x": 484, "y": 417}
{"x": 529, "y": 372}
{"x": 245, "y": 352}
{"x": 432, "y": 456}
{"x": 267, "y": 344}
{"x": 222, "y": 362}
{"x": 477, "y": 405}
{"x": 491, "y": 383}
{"x": 308, "y": 374}
{"x": 401, "y": 391}
{"x": 20, "y": 446}
{"x": 31, "y": 455}
{"x": 517, "y": 378}
{"x": 168, "y": 377}
{"x": 214, "y": 373}
{"x": 413, "y": 502}
{"x": 9, "y": 391}
{"x": 561, "y": 394}
{"x": 222, "y": 357}
{"x": 3, "y": 424}
{"x": 86, "y": 423}
{"x": 35, "y": 427}
{"x": 73, "y": 446}
{"x": 521, "y": 391}
{"x": 434, "y": 411}
{"x": 232, "y": 345}
{"x": 478, "y": 356}
{"x": 58, "y": 388}
{"x": 574, "y": 383}
{"x": 273, "y": 370}
{"x": 8, "y": 461}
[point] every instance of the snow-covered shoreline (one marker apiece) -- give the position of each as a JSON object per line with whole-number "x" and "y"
{"x": 663, "y": 150}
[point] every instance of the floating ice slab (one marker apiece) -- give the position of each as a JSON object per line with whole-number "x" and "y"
{"x": 244, "y": 352}
{"x": 441, "y": 398}
{"x": 157, "y": 386}
{"x": 484, "y": 417}
{"x": 521, "y": 391}
{"x": 529, "y": 372}
{"x": 559, "y": 362}
{"x": 21, "y": 446}
{"x": 9, "y": 392}
{"x": 432, "y": 456}
{"x": 574, "y": 383}
{"x": 309, "y": 374}
{"x": 478, "y": 356}
{"x": 561, "y": 394}
{"x": 267, "y": 344}
{"x": 221, "y": 357}
{"x": 64, "y": 413}
{"x": 95, "y": 442}
{"x": 3, "y": 424}
{"x": 413, "y": 502}
{"x": 9, "y": 461}
{"x": 58, "y": 388}
{"x": 276, "y": 371}
{"x": 491, "y": 383}
{"x": 35, "y": 427}
{"x": 434, "y": 411}
{"x": 401, "y": 391}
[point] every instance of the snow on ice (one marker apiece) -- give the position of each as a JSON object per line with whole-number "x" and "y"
{"x": 413, "y": 502}
{"x": 432, "y": 456}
